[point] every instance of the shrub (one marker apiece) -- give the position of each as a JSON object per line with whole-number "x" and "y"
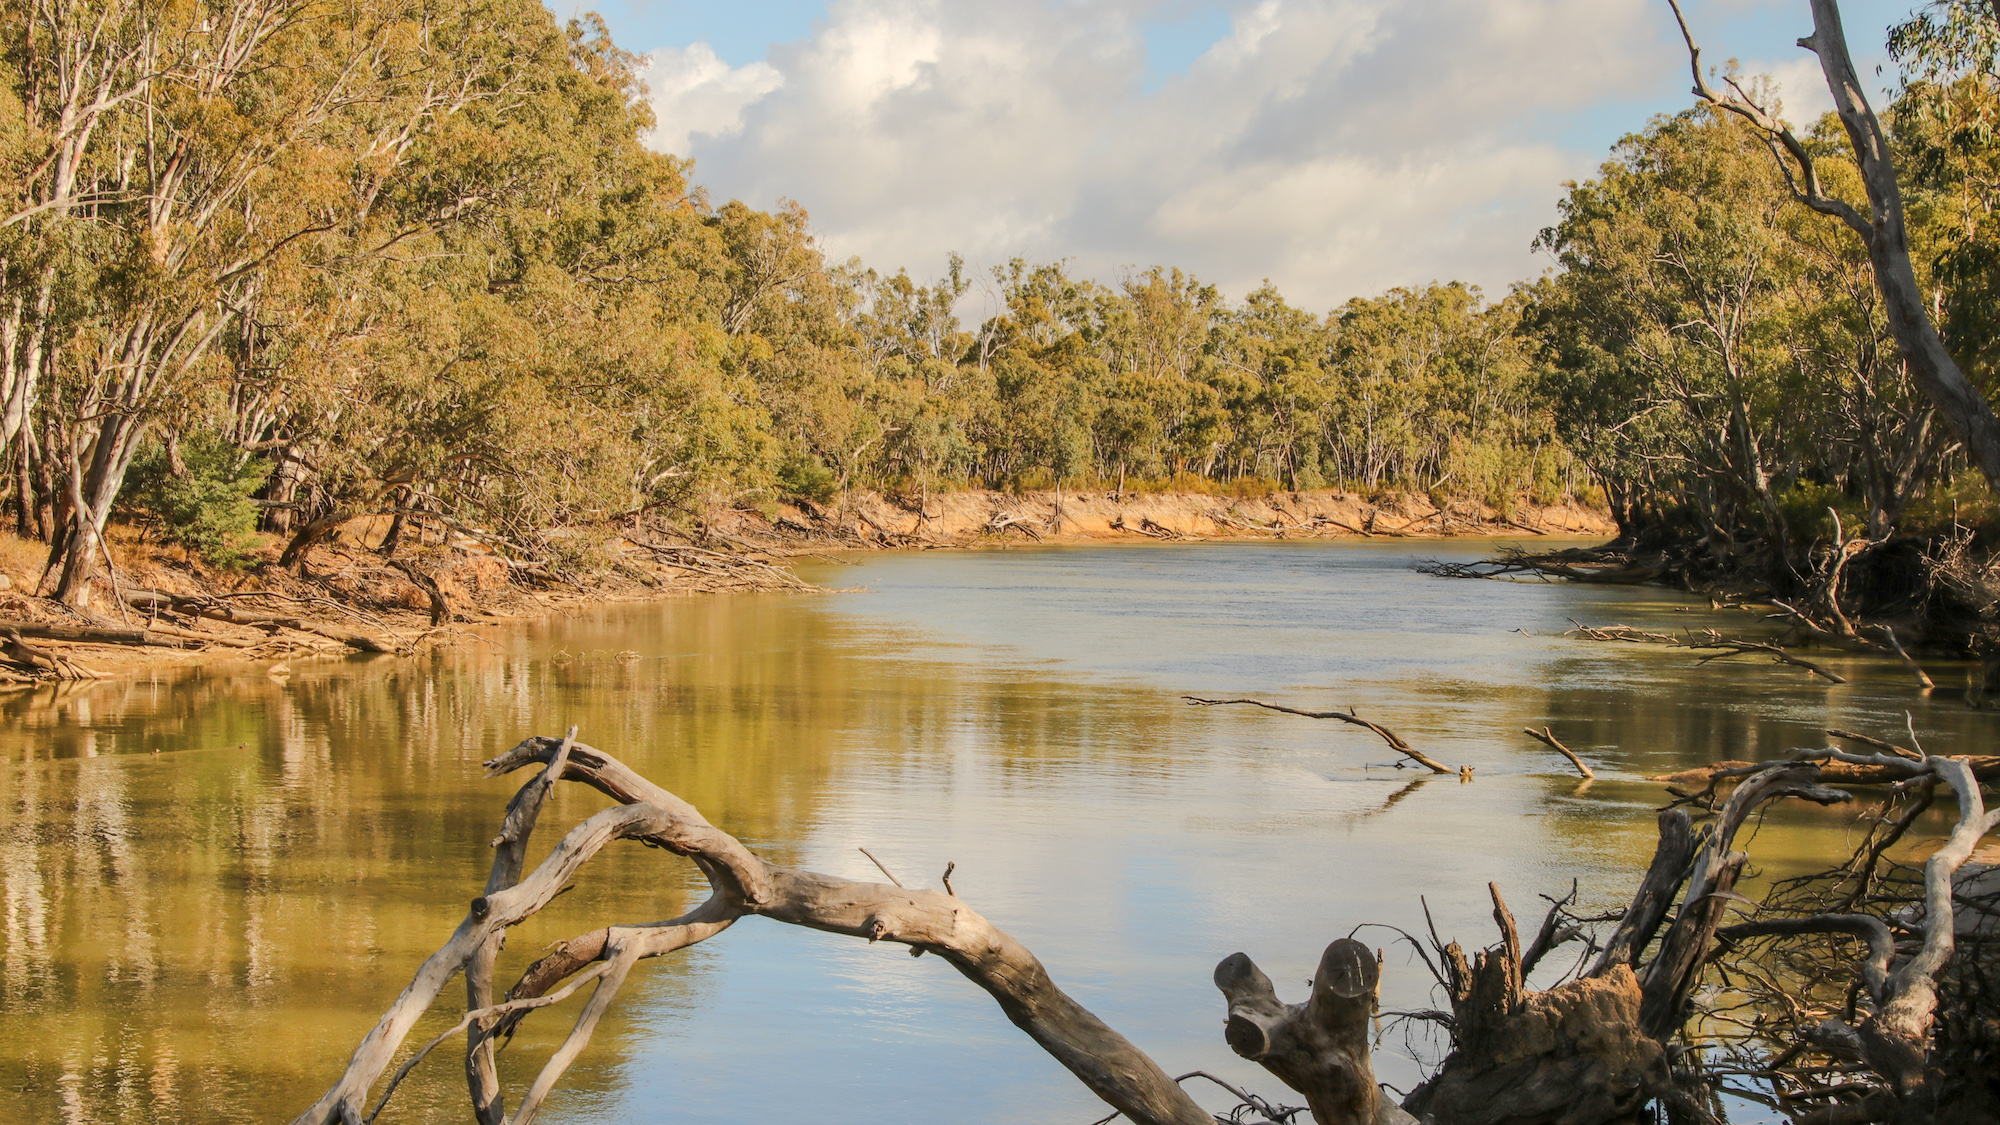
{"x": 806, "y": 477}
{"x": 206, "y": 509}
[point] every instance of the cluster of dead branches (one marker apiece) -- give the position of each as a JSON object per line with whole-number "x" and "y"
{"x": 722, "y": 569}
{"x": 1612, "y": 1035}
{"x": 1710, "y": 641}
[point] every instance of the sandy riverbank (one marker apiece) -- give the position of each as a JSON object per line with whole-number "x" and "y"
{"x": 164, "y": 610}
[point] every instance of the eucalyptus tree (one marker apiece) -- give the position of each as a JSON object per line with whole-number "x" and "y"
{"x": 1883, "y": 229}
{"x": 1675, "y": 256}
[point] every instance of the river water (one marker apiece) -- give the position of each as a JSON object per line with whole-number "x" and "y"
{"x": 214, "y": 881}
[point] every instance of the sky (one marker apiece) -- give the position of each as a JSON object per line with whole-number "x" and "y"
{"x": 1334, "y": 147}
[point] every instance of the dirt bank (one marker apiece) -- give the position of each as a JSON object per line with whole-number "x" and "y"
{"x": 981, "y": 518}
{"x": 162, "y": 609}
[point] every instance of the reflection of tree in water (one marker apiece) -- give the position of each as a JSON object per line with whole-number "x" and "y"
{"x": 170, "y": 917}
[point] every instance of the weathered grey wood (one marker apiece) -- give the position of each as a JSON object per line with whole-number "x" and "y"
{"x": 1319, "y": 1048}
{"x": 489, "y": 914}
{"x": 510, "y": 852}
{"x": 1655, "y": 896}
{"x": 927, "y": 921}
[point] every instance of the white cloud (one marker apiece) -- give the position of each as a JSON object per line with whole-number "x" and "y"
{"x": 1801, "y": 88}
{"x": 696, "y": 93}
{"x": 1335, "y": 146}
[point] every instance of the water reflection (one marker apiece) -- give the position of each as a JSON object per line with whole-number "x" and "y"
{"x": 202, "y": 933}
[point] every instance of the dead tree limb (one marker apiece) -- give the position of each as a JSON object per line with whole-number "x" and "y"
{"x": 1321, "y": 1047}
{"x": 1348, "y": 716}
{"x": 221, "y": 609}
{"x": 743, "y": 884}
{"x": 1547, "y": 737}
{"x": 1882, "y": 231}
{"x": 1892, "y": 1037}
{"x": 39, "y": 660}
{"x": 1879, "y": 744}
{"x": 1705, "y": 640}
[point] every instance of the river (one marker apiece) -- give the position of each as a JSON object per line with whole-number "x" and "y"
{"x": 215, "y": 880}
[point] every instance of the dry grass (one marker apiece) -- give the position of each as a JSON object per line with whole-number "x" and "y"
{"x": 21, "y": 559}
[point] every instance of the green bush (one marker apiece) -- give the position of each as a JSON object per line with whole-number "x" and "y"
{"x": 207, "y": 509}
{"x": 805, "y": 477}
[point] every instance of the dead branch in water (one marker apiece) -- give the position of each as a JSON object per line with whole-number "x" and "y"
{"x": 1547, "y": 737}
{"x": 1904, "y": 1030}
{"x": 1707, "y": 639}
{"x": 1594, "y": 1048}
{"x": 1602, "y": 565}
{"x": 1348, "y": 716}
{"x": 742, "y": 885}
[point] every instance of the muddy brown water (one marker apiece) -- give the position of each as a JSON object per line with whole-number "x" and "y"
{"x": 212, "y": 882}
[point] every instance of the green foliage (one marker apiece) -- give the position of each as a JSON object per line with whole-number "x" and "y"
{"x": 203, "y": 504}
{"x": 803, "y": 476}
{"x": 494, "y": 306}
{"x": 1712, "y": 347}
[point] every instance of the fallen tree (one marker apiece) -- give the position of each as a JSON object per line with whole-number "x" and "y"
{"x": 1606, "y": 1040}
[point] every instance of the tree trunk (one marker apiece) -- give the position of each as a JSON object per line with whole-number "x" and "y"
{"x": 1932, "y": 368}
{"x": 92, "y": 491}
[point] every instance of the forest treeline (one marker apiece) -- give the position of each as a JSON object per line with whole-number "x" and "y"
{"x": 281, "y": 263}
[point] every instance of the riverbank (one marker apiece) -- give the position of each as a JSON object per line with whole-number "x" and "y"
{"x": 162, "y": 608}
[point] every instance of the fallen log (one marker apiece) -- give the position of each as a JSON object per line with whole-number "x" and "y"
{"x": 1596, "y": 1048}
{"x": 1834, "y": 771}
{"x": 99, "y": 635}
{"x": 1705, "y": 640}
{"x": 36, "y": 659}
{"x": 742, "y": 884}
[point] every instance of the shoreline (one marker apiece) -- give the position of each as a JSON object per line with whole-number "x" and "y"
{"x": 164, "y": 612}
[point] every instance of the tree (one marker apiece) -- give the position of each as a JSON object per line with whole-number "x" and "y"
{"x": 1883, "y": 231}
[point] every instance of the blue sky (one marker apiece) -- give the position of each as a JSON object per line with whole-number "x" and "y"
{"x": 1334, "y": 146}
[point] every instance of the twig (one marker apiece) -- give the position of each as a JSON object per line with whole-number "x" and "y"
{"x": 885, "y": 871}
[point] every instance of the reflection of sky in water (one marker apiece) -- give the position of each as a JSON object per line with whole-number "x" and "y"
{"x": 205, "y": 933}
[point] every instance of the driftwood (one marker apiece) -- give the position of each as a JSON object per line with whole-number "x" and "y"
{"x": 1321, "y": 1047}
{"x": 39, "y": 661}
{"x": 97, "y": 635}
{"x": 1835, "y": 767}
{"x": 1884, "y": 1059}
{"x": 1547, "y": 737}
{"x": 737, "y": 568}
{"x": 1601, "y": 565}
{"x": 1705, "y": 640}
{"x": 1594, "y": 1048}
{"x": 1001, "y": 521}
{"x": 1348, "y": 716}
{"x": 742, "y": 884}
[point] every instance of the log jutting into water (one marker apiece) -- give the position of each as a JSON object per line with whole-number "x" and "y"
{"x": 1598, "y": 1046}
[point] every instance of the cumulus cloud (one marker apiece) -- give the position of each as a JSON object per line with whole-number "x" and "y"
{"x": 1334, "y": 146}
{"x": 695, "y": 94}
